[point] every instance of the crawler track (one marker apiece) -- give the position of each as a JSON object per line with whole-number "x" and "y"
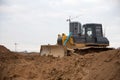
{"x": 91, "y": 50}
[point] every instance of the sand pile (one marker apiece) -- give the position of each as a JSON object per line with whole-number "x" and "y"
{"x": 3, "y": 49}
{"x": 94, "y": 66}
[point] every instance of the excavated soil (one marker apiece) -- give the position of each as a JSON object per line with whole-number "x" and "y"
{"x": 94, "y": 66}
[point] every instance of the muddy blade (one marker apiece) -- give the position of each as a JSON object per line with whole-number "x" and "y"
{"x": 53, "y": 50}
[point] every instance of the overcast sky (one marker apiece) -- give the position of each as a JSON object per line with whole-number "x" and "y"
{"x": 31, "y": 23}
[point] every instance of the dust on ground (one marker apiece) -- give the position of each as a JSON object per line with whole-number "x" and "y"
{"x": 94, "y": 66}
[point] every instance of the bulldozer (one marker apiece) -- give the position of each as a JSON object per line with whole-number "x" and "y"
{"x": 82, "y": 39}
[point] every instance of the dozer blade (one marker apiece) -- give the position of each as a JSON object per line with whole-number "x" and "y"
{"x": 53, "y": 50}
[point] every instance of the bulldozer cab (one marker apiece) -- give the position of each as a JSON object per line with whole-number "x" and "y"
{"x": 92, "y": 31}
{"x": 89, "y": 34}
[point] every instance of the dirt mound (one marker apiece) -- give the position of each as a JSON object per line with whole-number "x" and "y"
{"x": 6, "y": 55}
{"x": 95, "y": 66}
{"x": 3, "y": 49}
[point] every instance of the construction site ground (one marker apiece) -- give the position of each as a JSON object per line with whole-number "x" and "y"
{"x": 31, "y": 66}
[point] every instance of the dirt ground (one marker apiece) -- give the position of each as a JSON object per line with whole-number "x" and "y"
{"x": 94, "y": 66}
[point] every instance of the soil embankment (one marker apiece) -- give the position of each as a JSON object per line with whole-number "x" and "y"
{"x": 94, "y": 66}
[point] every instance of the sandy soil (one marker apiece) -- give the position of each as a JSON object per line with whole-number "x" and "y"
{"x": 94, "y": 66}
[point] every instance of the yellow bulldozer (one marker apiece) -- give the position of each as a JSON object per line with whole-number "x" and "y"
{"x": 82, "y": 39}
